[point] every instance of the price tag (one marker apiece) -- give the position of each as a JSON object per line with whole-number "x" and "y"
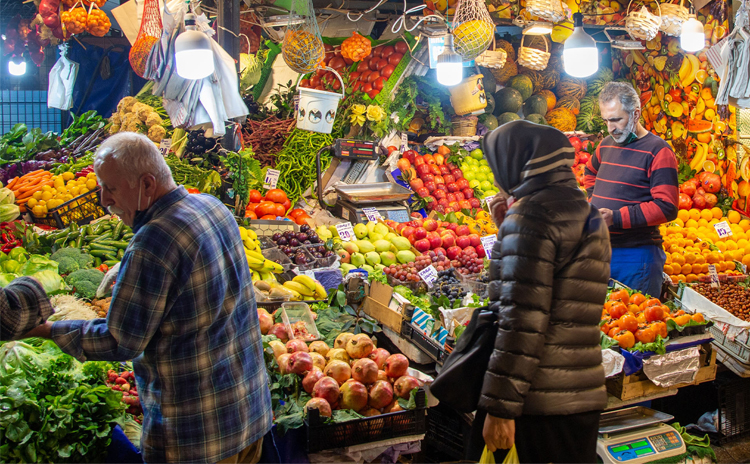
{"x": 372, "y": 213}
{"x": 404, "y": 142}
{"x": 272, "y": 178}
{"x": 429, "y": 275}
{"x": 487, "y": 243}
{"x": 488, "y": 199}
{"x": 164, "y": 146}
{"x": 714, "y": 276}
{"x": 346, "y": 231}
{"x": 740, "y": 266}
{"x": 722, "y": 229}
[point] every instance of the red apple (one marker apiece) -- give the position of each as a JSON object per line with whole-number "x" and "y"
{"x": 430, "y": 225}
{"x": 422, "y": 245}
{"x": 463, "y": 230}
{"x": 407, "y": 231}
{"x": 444, "y": 169}
{"x": 416, "y": 183}
{"x": 442, "y": 201}
{"x": 430, "y": 186}
{"x": 435, "y": 240}
{"x": 480, "y": 252}
{"x": 463, "y": 184}
{"x": 441, "y": 187}
{"x": 453, "y": 252}
{"x": 422, "y": 170}
{"x": 457, "y": 173}
{"x": 452, "y": 226}
{"x": 459, "y": 196}
{"x": 439, "y": 250}
{"x": 451, "y": 197}
{"x": 475, "y": 241}
{"x": 475, "y": 203}
{"x": 449, "y": 178}
{"x": 420, "y": 233}
{"x": 422, "y": 192}
{"x": 468, "y": 193}
{"x": 448, "y": 240}
{"x": 452, "y": 187}
{"x": 464, "y": 204}
{"x": 454, "y": 205}
{"x": 439, "y": 194}
{"x": 463, "y": 241}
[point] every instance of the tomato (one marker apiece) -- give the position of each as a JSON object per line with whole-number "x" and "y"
{"x": 276, "y": 196}
{"x": 628, "y": 322}
{"x": 618, "y": 310}
{"x": 395, "y": 59}
{"x": 382, "y": 63}
{"x": 353, "y": 76}
{"x": 403, "y": 164}
{"x": 252, "y": 206}
{"x": 280, "y": 210}
{"x": 391, "y": 149}
{"x": 337, "y": 63}
{"x": 373, "y": 77}
{"x": 296, "y": 212}
{"x": 373, "y": 64}
{"x": 388, "y": 50}
{"x": 336, "y": 84}
{"x": 304, "y": 83}
{"x": 287, "y": 204}
{"x": 301, "y": 219}
{"x": 255, "y": 196}
{"x": 366, "y": 88}
{"x": 363, "y": 65}
{"x": 320, "y": 72}
{"x": 379, "y": 83}
{"x": 654, "y": 313}
{"x": 645, "y": 334}
{"x": 357, "y": 86}
{"x": 373, "y": 93}
{"x": 268, "y": 217}
{"x": 377, "y": 51}
{"x": 315, "y": 81}
{"x": 319, "y": 87}
{"x": 387, "y": 71}
{"x": 266, "y": 208}
{"x": 251, "y": 215}
{"x": 401, "y": 47}
{"x": 637, "y": 298}
{"x": 625, "y": 339}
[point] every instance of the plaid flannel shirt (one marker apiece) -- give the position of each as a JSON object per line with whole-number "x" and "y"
{"x": 23, "y": 306}
{"x": 183, "y": 309}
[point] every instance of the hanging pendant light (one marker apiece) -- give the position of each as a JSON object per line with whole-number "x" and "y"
{"x": 17, "y": 65}
{"x": 692, "y": 36}
{"x": 193, "y": 55}
{"x": 449, "y": 67}
{"x": 580, "y": 55}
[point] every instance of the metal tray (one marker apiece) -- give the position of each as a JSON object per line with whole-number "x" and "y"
{"x": 373, "y": 193}
{"x": 630, "y": 418}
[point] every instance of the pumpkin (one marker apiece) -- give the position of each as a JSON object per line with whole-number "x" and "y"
{"x": 507, "y": 117}
{"x": 507, "y": 100}
{"x": 562, "y": 119}
{"x": 523, "y": 84}
{"x": 571, "y": 87}
{"x": 536, "y": 119}
{"x": 505, "y": 73}
{"x": 535, "y": 104}
{"x": 569, "y": 103}
{"x": 550, "y": 97}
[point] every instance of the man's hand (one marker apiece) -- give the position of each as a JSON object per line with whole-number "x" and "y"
{"x": 41, "y": 331}
{"x": 499, "y": 433}
{"x": 498, "y": 208}
{"x": 606, "y": 215}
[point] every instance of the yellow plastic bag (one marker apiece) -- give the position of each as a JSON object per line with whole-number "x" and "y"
{"x": 512, "y": 456}
{"x": 487, "y": 457}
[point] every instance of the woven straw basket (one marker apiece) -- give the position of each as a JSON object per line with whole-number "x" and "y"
{"x": 464, "y": 126}
{"x": 643, "y": 25}
{"x": 672, "y": 17}
{"x": 549, "y": 10}
{"x": 494, "y": 58}
{"x": 533, "y": 58}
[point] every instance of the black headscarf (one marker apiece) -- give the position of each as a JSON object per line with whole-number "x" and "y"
{"x": 521, "y": 150}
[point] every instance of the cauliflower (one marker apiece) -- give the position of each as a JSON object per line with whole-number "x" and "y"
{"x": 144, "y": 112}
{"x": 113, "y": 129}
{"x": 156, "y": 133}
{"x": 153, "y": 120}
{"x": 127, "y": 103}
{"x": 115, "y": 118}
{"x": 133, "y": 127}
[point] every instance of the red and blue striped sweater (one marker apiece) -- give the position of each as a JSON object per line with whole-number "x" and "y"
{"x": 638, "y": 182}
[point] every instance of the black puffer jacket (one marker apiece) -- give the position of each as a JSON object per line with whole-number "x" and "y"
{"x": 549, "y": 274}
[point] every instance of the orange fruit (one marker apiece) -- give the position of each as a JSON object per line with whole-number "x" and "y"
{"x": 683, "y": 215}
{"x": 695, "y": 214}
{"x": 676, "y": 268}
{"x": 707, "y": 214}
{"x": 697, "y": 268}
{"x": 686, "y": 269}
{"x": 716, "y": 212}
{"x": 734, "y": 217}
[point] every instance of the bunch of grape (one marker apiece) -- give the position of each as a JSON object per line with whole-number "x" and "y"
{"x": 439, "y": 260}
{"x": 198, "y": 143}
{"x": 467, "y": 262}
{"x": 449, "y": 286}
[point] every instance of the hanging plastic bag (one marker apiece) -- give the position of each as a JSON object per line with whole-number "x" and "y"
{"x": 62, "y": 78}
{"x": 512, "y": 456}
{"x": 148, "y": 34}
{"x": 487, "y": 457}
{"x": 303, "y": 49}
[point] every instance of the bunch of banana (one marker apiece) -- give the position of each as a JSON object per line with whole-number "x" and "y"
{"x": 306, "y": 288}
{"x": 261, "y": 268}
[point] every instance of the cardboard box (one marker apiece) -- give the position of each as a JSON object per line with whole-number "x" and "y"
{"x": 378, "y": 306}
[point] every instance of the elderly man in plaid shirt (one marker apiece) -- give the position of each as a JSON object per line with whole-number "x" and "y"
{"x": 182, "y": 309}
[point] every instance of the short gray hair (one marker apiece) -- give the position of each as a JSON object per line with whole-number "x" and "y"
{"x": 134, "y": 155}
{"x": 624, "y": 92}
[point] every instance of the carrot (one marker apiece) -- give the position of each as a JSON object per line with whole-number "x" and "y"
{"x": 12, "y": 183}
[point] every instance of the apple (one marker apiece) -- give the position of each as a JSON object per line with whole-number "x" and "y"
{"x": 463, "y": 241}
{"x": 480, "y": 252}
{"x": 445, "y": 170}
{"x": 416, "y": 183}
{"x": 448, "y": 178}
{"x": 464, "y": 204}
{"x": 430, "y": 225}
{"x": 422, "y": 245}
{"x": 462, "y": 230}
{"x": 407, "y": 231}
{"x": 440, "y": 250}
{"x": 452, "y": 226}
{"x": 430, "y": 186}
{"x": 410, "y": 155}
{"x": 459, "y": 196}
{"x": 439, "y": 194}
{"x": 451, "y": 197}
{"x": 448, "y": 240}
{"x": 457, "y": 173}
{"x": 441, "y": 187}
{"x": 453, "y": 252}
{"x": 475, "y": 203}
{"x": 435, "y": 240}
{"x": 468, "y": 193}
{"x": 420, "y": 233}
{"x": 422, "y": 192}
{"x": 435, "y": 169}
{"x": 475, "y": 241}
{"x": 454, "y": 205}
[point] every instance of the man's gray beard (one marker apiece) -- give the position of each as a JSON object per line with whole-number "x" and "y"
{"x": 628, "y": 129}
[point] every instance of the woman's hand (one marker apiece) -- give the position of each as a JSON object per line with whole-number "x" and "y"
{"x": 499, "y": 433}
{"x": 498, "y": 208}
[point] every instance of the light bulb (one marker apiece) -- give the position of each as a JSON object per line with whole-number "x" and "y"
{"x": 17, "y": 68}
{"x": 580, "y": 55}
{"x": 538, "y": 28}
{"x": 692, "y": 37}
{"x": 194, "y": 58}
{"x": 450, "y": 70}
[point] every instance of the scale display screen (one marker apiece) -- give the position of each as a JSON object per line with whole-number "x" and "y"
{"x": 641, "y": 447}
{"x": 355, "y": 149}
{"x": 398, "y": 215}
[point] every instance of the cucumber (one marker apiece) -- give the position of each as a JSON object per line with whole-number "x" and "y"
{"x": 118, "y": 230}
{"x": 116, "y": 244}
{"x": 97, "y": 246}
{"x": 120, "y": 254}
{"x": 128, "y": 236}
{"x": 99, "y": 253}
{"x": 97, "y": 261}
{"x": 104, "y": 236}
{"x": 111, "y": 262}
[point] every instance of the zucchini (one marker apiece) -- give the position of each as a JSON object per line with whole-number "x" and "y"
{"x": 104, "y": 236}
{"x": 120, "y": 254}
{"x": 97, "y": 261}
{"x": 116, "y": 244}
{"x": 99, "y": 253}
{"x": 111, "y": 262}
{"x": 118, "y": 230}
{"x": 97, "y": 246}
{"x": 128, "y": 236}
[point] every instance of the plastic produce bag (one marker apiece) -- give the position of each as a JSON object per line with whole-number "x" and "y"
{"x": 512, "y": 456}
{"x": 62, "y": 78}
{"x": 487, "y": 457}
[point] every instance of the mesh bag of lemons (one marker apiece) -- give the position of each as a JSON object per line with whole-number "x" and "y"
{"x": 474, "y": 31}
{"x": 65, "y": 187}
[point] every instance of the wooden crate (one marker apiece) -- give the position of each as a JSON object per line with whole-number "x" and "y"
{"x": 628, "y": 387}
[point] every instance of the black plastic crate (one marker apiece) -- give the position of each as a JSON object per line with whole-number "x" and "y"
{"x": 734, "y": 406}
{"x": 82, "y": 210}
{"x": 322, "y": 436}
{"x": 424, "y": 343}
{"x": 444, "y": 438}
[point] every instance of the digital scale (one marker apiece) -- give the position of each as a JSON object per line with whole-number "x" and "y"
{"x": 387, "y": 198}
{"x": 637, "y": 435}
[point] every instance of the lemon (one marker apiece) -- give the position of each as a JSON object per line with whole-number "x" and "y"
{"x": 83, "y": 191}
{"x": 59, "y": 182}
{"x": 47, "y": 195}
{"x": 31, "y": 203}
{"x": 91, "y": 175}
{"x": 46, "y": 188}
{"x": 75, "y": 191}
{"x": 68, "y": 175}
{"x": 37, "y": 195}
{"x": 67, "y": 197}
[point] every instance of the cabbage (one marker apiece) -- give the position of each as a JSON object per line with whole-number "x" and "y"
{"x": 250, "y": 70}
{"x": 6, "y": 278}
{"x": 37, "y": 263}
{"x": 9, "y": 213}
{"x": 51, "y": 281}
{"x": 7, "y": 197}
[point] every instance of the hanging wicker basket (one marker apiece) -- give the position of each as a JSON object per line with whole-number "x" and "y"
{"x": 548, "y": 10}
{"x": 464, "y": 126}
{"x": 672, "y": 17}
{"x": 533, "y": 58}
{"x": 642, "y": 24}
{"x": 493, "y": 59}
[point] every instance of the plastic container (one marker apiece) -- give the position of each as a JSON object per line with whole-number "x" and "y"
{"x": 82, "y": 210}
{"x": 468, "y": 97}
{"x": 472, "y": 284}
{"x": 297, "y": 314}
{"x": 429, "y": 346}
{"x": 317, "y": 108}
{"x": 277, "y": 256}
{"x": 322, "y": 436}
{"x": 267, "y": 228}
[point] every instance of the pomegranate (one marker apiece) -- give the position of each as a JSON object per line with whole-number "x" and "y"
{"x": 352, "y": 395}
{"x": 266, "y": 321}
{"x": 379, "y": 356}
{"x": 342, "y": 340}
{"x": 381, "y": 394}
{"x": 688, "y": 188}
{"x": 278, "y": 348}
{"x": 393, "y": 407}
{"x": 365, "y": 370}
{"x": 319, "y": 347}
{"x": 711, "y": 183}
{"x": 311, "y": 379}
{"x": 279, "y": 331}
{"x": 300, "y": 363}
{"x": 711, "y": 200}
{"x": 383, "y": 376}
{"x": 283, "y": 361}
{"x": 318, "y": 360}
{"x": 370, "y": 412}
{"x": 339, "y": 370}
{"x": 404, "y": 385}
{"x": 296, "y": 345}
{"x": 685, "y": 201}
{"x": 359, "y": 346}
{"x": 337, "y": 353}
{"x": 699, "y": 201}
{"x": 396, "y": 365}
{"x": 323, "y": 406}
{"x": 328, "y": 389}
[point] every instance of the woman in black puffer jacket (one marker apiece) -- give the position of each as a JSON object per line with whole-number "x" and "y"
{"x": 544, "y": 386}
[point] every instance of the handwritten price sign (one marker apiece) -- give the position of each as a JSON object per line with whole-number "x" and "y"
{"x": 371, "y": 213}
{"x": 272, "y": 178}
{"x": 723, "y": 229}
{"x": 164, "y": 146}
{"x": 346, "y": 231}
{"x": 429, "y": 275}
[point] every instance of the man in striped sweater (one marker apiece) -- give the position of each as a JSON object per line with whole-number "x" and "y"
{"x": 632, "y": 179}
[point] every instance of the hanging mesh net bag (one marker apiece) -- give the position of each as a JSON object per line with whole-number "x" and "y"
{"x": 148, "y": 34}
{"x": 473, "y": 29}
{"x": 302, "y": 49}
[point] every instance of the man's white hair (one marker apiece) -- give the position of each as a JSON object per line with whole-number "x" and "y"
{"x": 134, "y": 155}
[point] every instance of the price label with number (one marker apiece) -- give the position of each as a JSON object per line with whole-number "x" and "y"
{"x": 488, "y": 199}
{"x": 272, "y": 178}
{"x": 346, "y": 231}
{"x": 164, "y": 146}
{"x": 488, "y": 242}
{"x": 429, "y": 275}
{"x": 740, "y": 266}
{"x": 723, "y": 229}
{"x": 371, "y": 213}
{"x": 404, "y": 142}
{"x": 714, "y": 275}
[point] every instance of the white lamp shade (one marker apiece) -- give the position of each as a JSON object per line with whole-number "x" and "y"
{"x": 17, "y": 69}
{"x": 580, "y": 55}
{"x": 193, "y": 55}
{"x": 449, "y": 73}
{"x": 692, "y": 37}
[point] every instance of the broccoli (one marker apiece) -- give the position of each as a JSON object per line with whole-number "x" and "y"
{"x": 66, "y": 265}
{"x": 83, "y": 260}
{"x": 86, "y": 282}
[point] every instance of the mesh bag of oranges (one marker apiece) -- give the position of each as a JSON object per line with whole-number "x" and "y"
{"x": 356, "y": 47}
{"x": 474, "y": 29}
{"x": 303, "y": 49}
{"x": 74, "y": 20}
{"x": 97, "y": 23}
{"x": 148, "y": 34}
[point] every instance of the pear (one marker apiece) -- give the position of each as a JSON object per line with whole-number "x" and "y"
{"x": 361, "y": 231}
{"x": 365, "y": 246}
{"x": 357, "y": 259}
{"x": 372, "y": 258}
{"x": 382, "y": 245}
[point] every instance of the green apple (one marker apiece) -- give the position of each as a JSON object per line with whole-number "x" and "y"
{"x": 480, "y": 176}
{"x": 485, "y": 186}
{"x": 469, "y": 175}
{"x": 485, "y": 169}
{"x": 476, "y": 154}
{"x": 474, "y": 183}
